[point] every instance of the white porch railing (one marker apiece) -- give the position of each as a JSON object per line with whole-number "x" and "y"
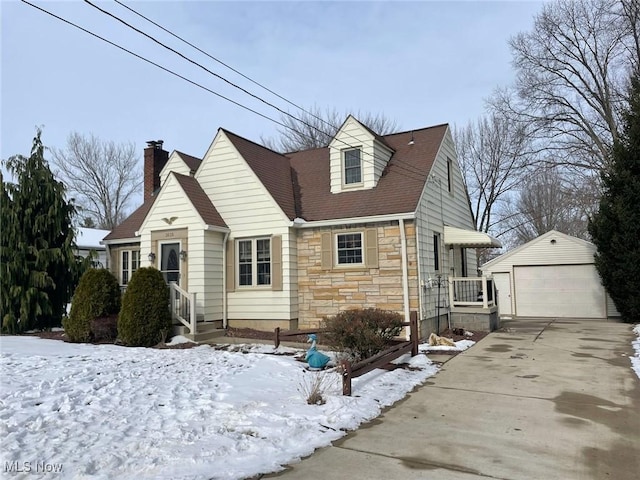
{"x": 472, "y": 292}
{"x": 183, "y": 306}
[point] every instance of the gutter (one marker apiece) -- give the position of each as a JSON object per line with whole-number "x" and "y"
{"x": 405, "y": 272}
{"x": 119, "y": 241}
{"x": 302, "y": 223}
{"x": 224, "y": 280}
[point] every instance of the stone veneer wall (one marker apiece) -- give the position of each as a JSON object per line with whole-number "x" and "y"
{"x": 326, "y": 292}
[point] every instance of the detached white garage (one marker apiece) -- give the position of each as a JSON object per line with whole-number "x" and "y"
{"x": 551, "y": 276}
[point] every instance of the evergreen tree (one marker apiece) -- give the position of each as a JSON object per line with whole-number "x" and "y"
{"x": 615, "y": 229}
{"x": 39, "y": 268}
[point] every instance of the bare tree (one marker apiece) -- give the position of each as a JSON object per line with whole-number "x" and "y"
{"x": 548, "y": 201}
{"x": 493, "y": 154}
{"x": 315, "y": 128}
{"x": 572, "y": 73}
{"x": 103, "y": 176}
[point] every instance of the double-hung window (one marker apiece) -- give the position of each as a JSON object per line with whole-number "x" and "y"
{"x": 129, "y": 263}
{"x": 352, "y": 166}
{"x": 349, "y": 248}
{"x": 254, "y": 262}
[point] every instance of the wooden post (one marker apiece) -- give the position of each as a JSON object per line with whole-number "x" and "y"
{"x": 277, "y": 337}
{"x": 413, "y": 333}
{"x": 193, "y": 319}
{"x": 346, "y": 378}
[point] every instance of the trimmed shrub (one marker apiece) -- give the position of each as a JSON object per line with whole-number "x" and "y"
{"x": 362, "y": 333}
{"x": 104, "y": 329}
{"x": 145, "y": 313}
{"x": 97, "y": 295}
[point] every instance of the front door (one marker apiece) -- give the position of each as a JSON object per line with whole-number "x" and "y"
{"x": 170, "y": 262}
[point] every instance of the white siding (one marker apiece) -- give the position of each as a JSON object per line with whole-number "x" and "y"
{"x": 171, "y": 202}
{"x": 204, "y": 249}
{"x": 553, "y": 249}
{"x": 205, "y": 271}
{"x": 249, "y": 211}
{"x": 436, "y": 208}
{"x": 174, "y": 164}
{"x": 374, "y": 156}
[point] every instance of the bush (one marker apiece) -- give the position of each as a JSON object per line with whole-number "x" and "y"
{"x": 362, "y": 333}
{"x": 97, "y": 295}
{"x": 145, "y": 313}
{"x": 104, "y": 329}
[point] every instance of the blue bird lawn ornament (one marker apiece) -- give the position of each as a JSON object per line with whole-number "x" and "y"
{"x": 314, "y": 358}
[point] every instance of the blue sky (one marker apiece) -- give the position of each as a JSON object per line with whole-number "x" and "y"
{"x": 420, "y": 63}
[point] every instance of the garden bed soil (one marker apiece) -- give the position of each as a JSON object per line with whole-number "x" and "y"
{"x": 252, "y": 334}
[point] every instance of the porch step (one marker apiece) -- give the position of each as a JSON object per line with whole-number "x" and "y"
{"x": 206, "y": 331}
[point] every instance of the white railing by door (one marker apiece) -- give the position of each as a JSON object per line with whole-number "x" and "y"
{"x": 472, "y": 292}
{"x": 183, "y": 306}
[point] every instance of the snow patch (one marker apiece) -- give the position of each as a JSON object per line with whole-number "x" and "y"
{"x": 104, "y": 411}
{"x": 178, "y": 339}
{"x": 461, "y": 345}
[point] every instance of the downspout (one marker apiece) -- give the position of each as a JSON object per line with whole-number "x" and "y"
{"x": 405, "y": 272}
{"x": 224, "y": 280}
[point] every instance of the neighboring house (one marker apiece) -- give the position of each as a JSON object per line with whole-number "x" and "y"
{"x": 265, "y": 240}
{"x": 88, "y": 241}
{"x": 553, "y": 275}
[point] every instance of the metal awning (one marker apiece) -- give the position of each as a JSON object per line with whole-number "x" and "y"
{"x": 469, "y": 238}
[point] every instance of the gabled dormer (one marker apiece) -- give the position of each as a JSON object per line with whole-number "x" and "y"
{"x": 358, "y": 156}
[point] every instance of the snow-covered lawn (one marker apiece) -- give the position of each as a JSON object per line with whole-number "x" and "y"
{"x": 135, "y": 413}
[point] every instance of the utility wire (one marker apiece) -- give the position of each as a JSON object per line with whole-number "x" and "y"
{"x": 153, "y": 63}
{"x": 415, "y": 175}
{"x": 334, "y": 127}
{"x": 411, "y": 169}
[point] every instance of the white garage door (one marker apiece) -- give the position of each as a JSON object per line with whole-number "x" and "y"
{"x": 559, "y": 291}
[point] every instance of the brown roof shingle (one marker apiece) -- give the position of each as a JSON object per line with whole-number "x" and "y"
{"x": 200, "y": 200}
{"x": 273, "y": 170}
{"x": 129, "y": 227}
{"x": 300, "y": 182}
{"x": 192, "y": 162}
{"x": 398, "y": 189}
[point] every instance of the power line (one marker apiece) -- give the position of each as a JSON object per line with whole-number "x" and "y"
{"x": 413, "y": 170}
{"x": 152, "y": 62}
{"x": 243, "y": 75}
{"x": 209, "y": 55}
{"x": 414, "y": 175}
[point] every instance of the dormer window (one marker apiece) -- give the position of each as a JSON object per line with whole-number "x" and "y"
{"x": 352, "y": 166}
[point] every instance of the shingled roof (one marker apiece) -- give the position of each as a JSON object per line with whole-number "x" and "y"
{"x": 200, "y": 200}
{"x": 192, "y": 162}
{"x": 273, "y": 170}
{"x": 131, "y": 225}
{"x": 398, "y": 189}
{"x": 300, "y": 182}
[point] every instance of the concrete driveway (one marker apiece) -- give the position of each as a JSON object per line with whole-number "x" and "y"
{"x": 542, "y": 399}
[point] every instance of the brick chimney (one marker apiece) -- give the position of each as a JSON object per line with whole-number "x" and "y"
{"x": 155, "y": 158}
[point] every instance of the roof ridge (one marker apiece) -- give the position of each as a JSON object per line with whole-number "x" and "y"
{"x": 416, "y": 129}
{"x": 188, "y": 155}
{"x": 253, "y": 142}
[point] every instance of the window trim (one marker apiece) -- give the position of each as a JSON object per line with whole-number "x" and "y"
{"x": 254, "y": 263}
{"x": 437, "y": 260}
{"x": 450, "y": 176}
{"x": 343, "y": 155}
{"x": 158, "y": 260}
{"x": 362, "y": 263}
{"x": 129, "y": 267}
{"x": 464, "y": 267}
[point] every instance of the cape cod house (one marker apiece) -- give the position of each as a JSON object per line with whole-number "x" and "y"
{"x": 253, "y": 238}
